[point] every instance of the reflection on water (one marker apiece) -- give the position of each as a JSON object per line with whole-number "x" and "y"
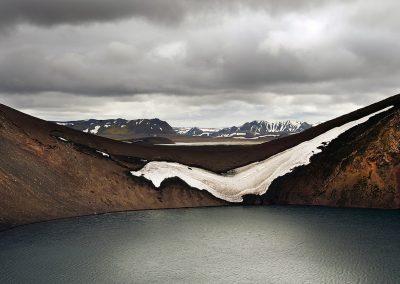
{"x": 235, "y": 244}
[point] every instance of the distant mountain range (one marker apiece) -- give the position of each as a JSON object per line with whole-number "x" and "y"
{"x": 122, "y": 128}
{"x": 256, "y": 128}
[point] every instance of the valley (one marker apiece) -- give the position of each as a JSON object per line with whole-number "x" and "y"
{"x": 50, "y": 171}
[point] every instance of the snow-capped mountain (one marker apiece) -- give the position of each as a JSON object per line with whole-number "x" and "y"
{"x": 262, "y": 127}
{"x": 122, "y": 127}
{"x": 254, "y": 128}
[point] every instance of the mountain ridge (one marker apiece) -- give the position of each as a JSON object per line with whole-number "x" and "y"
{"x": 137, "y": 128}
{"x": 263, "y": 127}
{"x": 121, "y": 128}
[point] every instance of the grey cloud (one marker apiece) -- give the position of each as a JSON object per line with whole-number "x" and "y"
{"x": 50, "y": 12}
{"x": 123, "y": 70}
{"x": 30, "y": 71}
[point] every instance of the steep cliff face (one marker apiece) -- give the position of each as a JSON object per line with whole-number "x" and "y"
{"x": 359, "y": 169}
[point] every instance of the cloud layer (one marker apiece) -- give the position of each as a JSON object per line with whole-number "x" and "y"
{"x": 197, "y": 62}
{"x": 49, "y": 12}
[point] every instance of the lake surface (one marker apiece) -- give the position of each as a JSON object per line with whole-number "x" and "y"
{"x": 232, "y": 244}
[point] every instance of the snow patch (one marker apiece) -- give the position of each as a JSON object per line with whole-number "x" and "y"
{"x": 95, "y": 130}
{"x": 103, "y": 153}
{"x": 62, "y": 139}
{"x": 254, "y": 178}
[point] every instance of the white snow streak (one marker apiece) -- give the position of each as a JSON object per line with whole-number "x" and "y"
{"x": 62, "y": 139}
{"x": 254, "y": 178}
{"x": 103, "y": 153}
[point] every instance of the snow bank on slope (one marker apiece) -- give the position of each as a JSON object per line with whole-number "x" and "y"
{"x": 254, "y": 178}
{"x": 103, "y": 153}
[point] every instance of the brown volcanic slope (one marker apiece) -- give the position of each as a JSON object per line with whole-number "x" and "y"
{"x": 42, "y": 177}
{"x": 359, "y": 169}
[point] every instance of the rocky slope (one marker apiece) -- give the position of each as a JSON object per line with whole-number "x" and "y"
{"x": 43, "y": 177}
{"x": 359, "y": 169}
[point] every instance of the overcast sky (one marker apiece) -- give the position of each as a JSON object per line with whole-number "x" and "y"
{"x": 204, "y": 63}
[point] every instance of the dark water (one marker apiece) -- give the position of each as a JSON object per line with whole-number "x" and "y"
{"x": 237, "y": 244}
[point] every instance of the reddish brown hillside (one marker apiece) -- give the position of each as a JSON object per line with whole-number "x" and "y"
{"x": 359, "y": 169}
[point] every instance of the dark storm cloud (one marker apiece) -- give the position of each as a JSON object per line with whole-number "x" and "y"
{"x": 54, "y": 12}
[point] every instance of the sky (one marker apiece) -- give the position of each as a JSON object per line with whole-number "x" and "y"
{"x": 197, "y": 63}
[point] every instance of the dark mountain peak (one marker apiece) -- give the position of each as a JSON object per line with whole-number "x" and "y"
{"x": 121, "y": 128}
